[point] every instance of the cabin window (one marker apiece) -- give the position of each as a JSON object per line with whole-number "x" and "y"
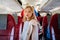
{"x": 3, "y": 21}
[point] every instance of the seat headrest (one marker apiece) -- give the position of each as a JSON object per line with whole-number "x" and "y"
{"x": 15, "y": 18}
{"x": 3, "y": 21}
{"x": 48, "y": 18}
{"x": 59, "y": 21}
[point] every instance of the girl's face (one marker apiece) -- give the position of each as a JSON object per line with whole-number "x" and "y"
{"x": 28, "y": 12}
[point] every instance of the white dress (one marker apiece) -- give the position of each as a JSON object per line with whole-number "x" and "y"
{"x": 30, "y": 29}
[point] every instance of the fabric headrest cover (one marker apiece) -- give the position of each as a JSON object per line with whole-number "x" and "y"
{"x": 48, "y": 16}
{"x": 3, "y": 21}
{"x": 22, "y": 13}
{"x": 59, "y": 21}
{"x": 15, "y": 18}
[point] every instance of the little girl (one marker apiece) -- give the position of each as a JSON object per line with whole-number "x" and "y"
{"x": 30, "y": 28}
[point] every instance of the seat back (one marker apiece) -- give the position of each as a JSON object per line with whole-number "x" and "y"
{"x": 55, "y": 24}
{"x": 17, "y": 28}
{"x": 39, "y": 18}
{"x": 46, "y": 27}
{"x": 7, "y": 33}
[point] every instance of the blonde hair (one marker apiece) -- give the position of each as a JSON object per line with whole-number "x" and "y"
{"x": 33, "y": 15}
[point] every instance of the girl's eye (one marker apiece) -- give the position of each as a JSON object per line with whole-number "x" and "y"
{"x": 29, "y": 12}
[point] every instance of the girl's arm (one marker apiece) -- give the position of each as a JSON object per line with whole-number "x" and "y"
{"x": 30, "y": 30}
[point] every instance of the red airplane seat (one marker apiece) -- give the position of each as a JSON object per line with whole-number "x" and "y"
{"x": 19, "y": 26}
{"x": 18, "y": 29}
{"x": 44, "y": 24}
{"x": 55, "y": 27}
{"x": 22, "y": 13}
{"x": 46, "y": 27}
{"x": 39, "y": 18}
{"x": 7, "y": 34}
